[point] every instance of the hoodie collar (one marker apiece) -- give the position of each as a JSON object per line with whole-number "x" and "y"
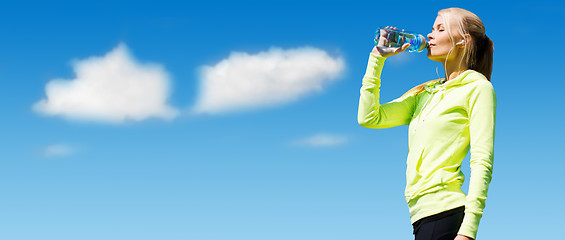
{"x": 466, "y": 77}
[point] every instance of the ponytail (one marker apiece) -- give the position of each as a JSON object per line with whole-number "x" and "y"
{"x": 482, "y": 57}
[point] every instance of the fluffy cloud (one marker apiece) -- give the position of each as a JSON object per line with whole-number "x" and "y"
{"x": 322, "y": 140}
{"x": 268, "y": 78}
{"x": 113, "y": 88}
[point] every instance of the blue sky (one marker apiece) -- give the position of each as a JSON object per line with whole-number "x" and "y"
{"x": 267, "y": 164}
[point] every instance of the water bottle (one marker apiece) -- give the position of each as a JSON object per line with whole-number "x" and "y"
{"x": 395, "y": 39}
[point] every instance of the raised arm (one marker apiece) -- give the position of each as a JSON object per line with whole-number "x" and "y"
{"x": 371, "y": 113}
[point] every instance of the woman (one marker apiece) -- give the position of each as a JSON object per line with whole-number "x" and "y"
{"x": 446, "y": 117}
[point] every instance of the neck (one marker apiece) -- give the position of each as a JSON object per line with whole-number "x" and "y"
{"x": 454, "y": 68}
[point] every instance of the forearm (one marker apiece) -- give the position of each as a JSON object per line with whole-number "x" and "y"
{"x": 481, "y": 175}
{"x": 369, "y": 105}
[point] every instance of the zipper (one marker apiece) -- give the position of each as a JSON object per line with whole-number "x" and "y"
{"x": 433, "y": 91}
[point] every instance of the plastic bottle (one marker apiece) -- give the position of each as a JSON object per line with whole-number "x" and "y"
{"x": 395, "y": 39}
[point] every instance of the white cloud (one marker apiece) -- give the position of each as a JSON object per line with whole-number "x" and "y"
{"x": 322, "y": 140}
{"x": 113, "y": 88}
{"x": 268, "y": 78}
{"x": 58, "y": 150}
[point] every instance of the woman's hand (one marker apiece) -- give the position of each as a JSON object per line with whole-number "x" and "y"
{"x": 387, "y": 51}
{"x": 463, "y": 237}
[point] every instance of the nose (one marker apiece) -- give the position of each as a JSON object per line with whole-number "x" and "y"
{"x": 430, "y": 36}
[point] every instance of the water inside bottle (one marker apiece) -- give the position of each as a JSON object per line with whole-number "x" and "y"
{"x": 395, "y": 39}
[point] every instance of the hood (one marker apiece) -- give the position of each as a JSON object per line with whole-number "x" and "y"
{"x": 468, "y": 76}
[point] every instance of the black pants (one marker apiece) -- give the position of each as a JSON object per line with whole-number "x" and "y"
{"x": 442, "y": 226}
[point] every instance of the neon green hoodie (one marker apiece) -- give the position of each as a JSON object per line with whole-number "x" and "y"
{"x": 445, "y": 121}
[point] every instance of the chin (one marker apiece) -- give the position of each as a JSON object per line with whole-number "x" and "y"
{"x": 437, "y": 58}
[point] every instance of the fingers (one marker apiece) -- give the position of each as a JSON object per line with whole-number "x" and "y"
{"x": 393, "y": 28}
{"x": 382, "y": 46}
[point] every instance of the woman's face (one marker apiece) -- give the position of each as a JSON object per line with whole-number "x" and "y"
{"x": 439, "y": 42}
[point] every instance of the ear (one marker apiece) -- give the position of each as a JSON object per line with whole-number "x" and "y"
{"x": 466, "y": 40}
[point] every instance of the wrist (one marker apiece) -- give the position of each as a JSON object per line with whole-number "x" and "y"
{"x": 376, "y": 52}
{"x": 464, "y": 237}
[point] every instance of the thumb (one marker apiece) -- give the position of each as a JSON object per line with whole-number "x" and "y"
{"x": 403, "y": 48}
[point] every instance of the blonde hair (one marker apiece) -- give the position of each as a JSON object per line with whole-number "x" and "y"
{"x": 478, "y": 55}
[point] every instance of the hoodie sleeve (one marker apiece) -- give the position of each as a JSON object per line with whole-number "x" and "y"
{"x": 371, "y": 113}
{"x": 482, "y": 114}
